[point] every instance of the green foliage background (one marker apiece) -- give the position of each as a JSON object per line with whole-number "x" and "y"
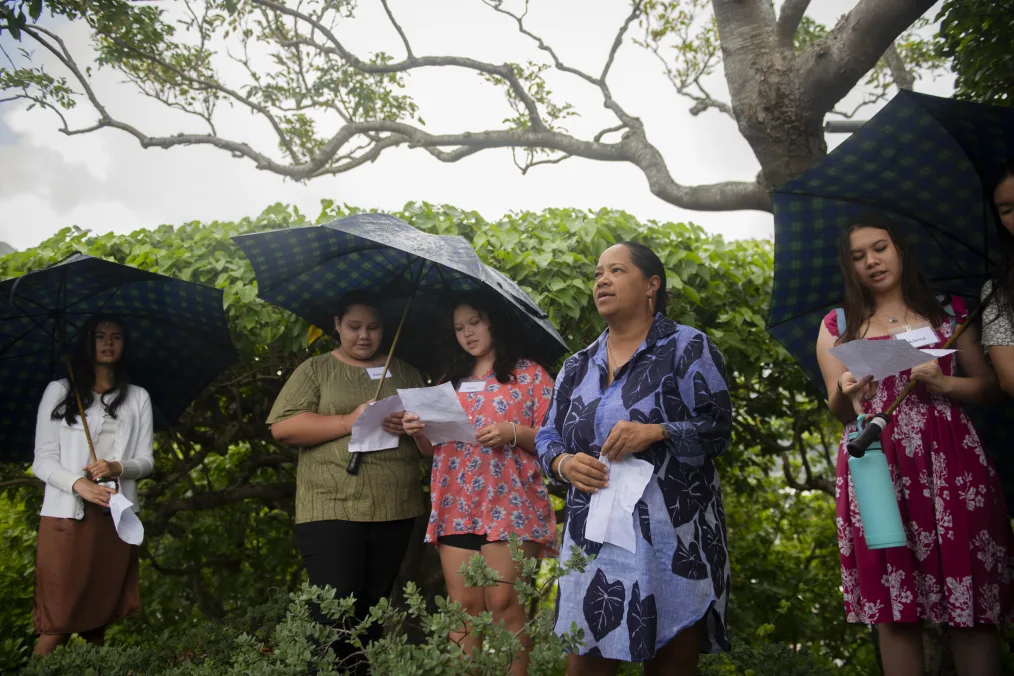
{"x": 219, "y": 556}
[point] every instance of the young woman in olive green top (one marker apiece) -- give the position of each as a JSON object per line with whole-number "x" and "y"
{"x": 352, "y": 530}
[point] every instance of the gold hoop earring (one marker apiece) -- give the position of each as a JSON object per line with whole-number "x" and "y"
{"x": 651, "y": 305}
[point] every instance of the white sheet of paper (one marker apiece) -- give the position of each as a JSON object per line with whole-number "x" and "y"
{"x": 128, "y": 526}
{"x": 611, "y": 509}
{"x": 882, "y": 358}
{"x": 438, "y": 407}
{"x": 368, "y": 434}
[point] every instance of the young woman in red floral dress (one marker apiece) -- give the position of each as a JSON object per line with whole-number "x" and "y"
{"x": 483, "y": 491}
{"x": 956, "y": 569}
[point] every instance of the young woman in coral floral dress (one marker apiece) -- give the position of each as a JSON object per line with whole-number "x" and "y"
{"x": 956, "y": 569}
{"x": 482, "y": 492}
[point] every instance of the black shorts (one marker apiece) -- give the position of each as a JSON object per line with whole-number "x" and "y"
{"x": 470, "y": 541}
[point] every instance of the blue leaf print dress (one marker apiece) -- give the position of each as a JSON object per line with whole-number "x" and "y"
{"x": 632, "y": 604}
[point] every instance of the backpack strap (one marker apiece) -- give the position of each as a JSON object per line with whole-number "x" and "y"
{"x": 839, "y": 314}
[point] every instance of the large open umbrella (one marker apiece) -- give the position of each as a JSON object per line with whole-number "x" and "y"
{"x": 926, "y": 162}
{"x": 307, "y": 270}
{"x": 179, "y": 337}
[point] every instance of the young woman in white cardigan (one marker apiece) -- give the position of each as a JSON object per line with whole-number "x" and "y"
{"x": 85, "y": 575}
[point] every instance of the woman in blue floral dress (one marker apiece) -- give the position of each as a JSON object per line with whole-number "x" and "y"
{"x": 655, "y": 389}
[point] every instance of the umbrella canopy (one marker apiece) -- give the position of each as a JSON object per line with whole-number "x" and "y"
{"x": 177, "y": 331}
{"x": 924, "y": 161}
{"x": 307, "y": 270}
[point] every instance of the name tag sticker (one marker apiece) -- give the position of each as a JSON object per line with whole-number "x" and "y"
{"x": 376, "y": 372}
{"x": 472, "y": 386}
{"x": 919, "y": 337}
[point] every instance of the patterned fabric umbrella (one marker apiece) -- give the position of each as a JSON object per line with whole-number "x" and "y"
{"x": 307, "y": 270}
{"x": 924, "y": 161}
{"x": 177, "y": 331}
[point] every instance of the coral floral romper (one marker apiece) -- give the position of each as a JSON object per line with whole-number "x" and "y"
{"x": 496, "y": 491}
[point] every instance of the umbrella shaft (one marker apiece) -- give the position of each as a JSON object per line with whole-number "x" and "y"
{"x": 80, "y": 408}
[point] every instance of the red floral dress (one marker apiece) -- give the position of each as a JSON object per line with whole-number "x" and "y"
{"x": 958, "y": 563}
{"x": 496, "y": 491}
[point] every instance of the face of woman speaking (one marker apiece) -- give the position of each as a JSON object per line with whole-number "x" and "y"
{"x": 108, "y": 343}
{"x": 360, "y": 332}
{"x": 875, "y": 259}
{"x": 471, "y": 328}
{"x": 1003, "y": 197}
{"x": 620, "y": 287}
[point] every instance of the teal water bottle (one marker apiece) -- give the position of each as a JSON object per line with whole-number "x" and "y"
{"x": 878, "y": 504}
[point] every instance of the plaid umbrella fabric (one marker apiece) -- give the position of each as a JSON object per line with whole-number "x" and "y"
{"x": 922, "y": 160}
{"x": 927, "y": 163}
{"x": 178, "y": 338}
{"x": 307, "y": 270}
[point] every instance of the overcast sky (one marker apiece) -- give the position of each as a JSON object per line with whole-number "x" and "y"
{"x": 106, "y": 182}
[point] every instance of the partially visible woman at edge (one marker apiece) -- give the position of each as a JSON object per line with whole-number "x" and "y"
{"x": 85, "y": 575}
{"x": 484, "y": 491}
{"x": 352, "y": 530}
{"x": 956, "y": 568}
{"x": 998, "y": 294}
{"x": 654, "y": 389}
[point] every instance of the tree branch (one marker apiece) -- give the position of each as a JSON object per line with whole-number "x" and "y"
{"x": 788, "y": 22}
{"x": 212, "y": 499}
{"x": 903, "y": 77}
{"x": 831, "y": 67}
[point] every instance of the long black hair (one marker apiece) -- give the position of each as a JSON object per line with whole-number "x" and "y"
{"x": 650, "y": 265}
{"x": 858, "y": 302}
{"x": 458, "y": 364}
{"x": 1003, "y": 279}
{"x": 82, "y": 363}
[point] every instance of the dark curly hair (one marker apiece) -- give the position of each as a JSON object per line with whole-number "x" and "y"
{"x": 458, "y": 364}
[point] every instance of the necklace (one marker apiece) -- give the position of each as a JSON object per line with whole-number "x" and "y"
{"x": 610, "y": 361}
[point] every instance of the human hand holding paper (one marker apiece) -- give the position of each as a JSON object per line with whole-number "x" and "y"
{"x": 368, "y": 433}
{"x": 611, "y": 509}
{"x": 440, "y": 410}
{"x": 882, "y": 358}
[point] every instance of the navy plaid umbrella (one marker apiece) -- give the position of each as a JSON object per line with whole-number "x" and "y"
{"x": 307, "y": 270}
{"x": 922, "y": 160}
{"x": 179, "y": 338}
{"x": 926, "y": 162}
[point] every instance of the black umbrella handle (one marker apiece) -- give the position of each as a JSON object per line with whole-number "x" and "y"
{"x": 874, "y": 426}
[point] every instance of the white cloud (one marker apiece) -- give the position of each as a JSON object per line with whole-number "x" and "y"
{"x": 106, "y": 181}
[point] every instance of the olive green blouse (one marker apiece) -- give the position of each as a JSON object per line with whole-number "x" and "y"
{"x": 388, "y": 486}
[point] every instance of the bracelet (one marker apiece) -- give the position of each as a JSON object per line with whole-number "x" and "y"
{"x": 345, "y": 430}
{"x": 559, "y": 468}
{"x": 515, "y": 442}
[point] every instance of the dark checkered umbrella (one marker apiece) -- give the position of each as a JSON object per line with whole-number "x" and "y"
{"x": 926, "y": 162}
{"x": 922, "y": 160}
{"x": 179, "y": 338}
{"x": 307, "y": 270}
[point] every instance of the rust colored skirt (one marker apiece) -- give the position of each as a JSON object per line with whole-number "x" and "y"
{"x": 85, "y": 575}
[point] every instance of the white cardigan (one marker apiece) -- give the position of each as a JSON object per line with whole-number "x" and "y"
{"x": 61, "y": 450}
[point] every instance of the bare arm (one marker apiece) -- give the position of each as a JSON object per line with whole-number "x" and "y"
{"x": 1002, "y": 357}
{"x": 844, "y": 400}
{"x": 312, "y": 429}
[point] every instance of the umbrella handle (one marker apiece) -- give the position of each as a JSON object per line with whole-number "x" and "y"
{"x": 858, "y": 446}
{"x": 357, "y": 458}
{"x": 80, "y": 408}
